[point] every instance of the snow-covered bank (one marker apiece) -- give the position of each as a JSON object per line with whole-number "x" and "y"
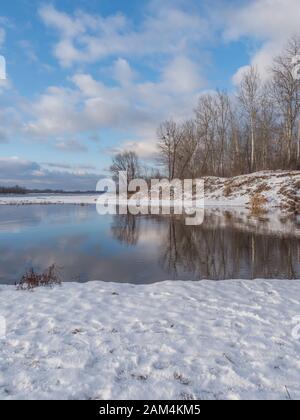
{"x": 280, "y": 189}
{"x": 206, "y": 340}
{"x": 77, "y": 199}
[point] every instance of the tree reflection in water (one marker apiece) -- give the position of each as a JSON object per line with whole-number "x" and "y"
{"x": 126, "y": 229}
{"x": 227, "y": 246}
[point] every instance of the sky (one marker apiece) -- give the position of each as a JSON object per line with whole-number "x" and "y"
{"x": 86, "y": 79}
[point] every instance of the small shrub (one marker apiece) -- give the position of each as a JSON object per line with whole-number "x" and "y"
{"x": 32, "y": 280}
{"x": 257, "y": 203}
{"x": 227, "y": 191}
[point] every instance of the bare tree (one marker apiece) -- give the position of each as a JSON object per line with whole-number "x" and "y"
{"x": 223, "y": 112}
{"x": 170, "y": 136}
{"x": 216, "y": 132}
{"x": 236, "y": 164}
{"x": 125, "y": 162}
{"x": 266, "y": 133}
{"x": 206, "y": 124}
{"x": 187, "y": 151}
{"x": 286, "y": 93}
{"x": 249, "y": 95}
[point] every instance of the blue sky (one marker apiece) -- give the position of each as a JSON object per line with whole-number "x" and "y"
{"x": 87, "y": 78}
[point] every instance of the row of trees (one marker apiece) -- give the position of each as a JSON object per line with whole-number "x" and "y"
{"x": 12, "y": 190}
{"x": 257, "y": 128}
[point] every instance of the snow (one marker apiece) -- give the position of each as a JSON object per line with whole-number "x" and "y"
{"x": 172, "y": 340}
{"x": 280, "y": 188}
{"x": 76, "y": 199}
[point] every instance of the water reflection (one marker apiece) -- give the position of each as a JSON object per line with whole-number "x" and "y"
{"x": 126, "y": 229}
{"x": 229, "y": 245}
{"x": 217, "y": 253}
{"x": 146, "y": 249}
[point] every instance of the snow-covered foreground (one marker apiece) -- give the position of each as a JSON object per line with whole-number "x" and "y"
{"x": 206, "y": 340}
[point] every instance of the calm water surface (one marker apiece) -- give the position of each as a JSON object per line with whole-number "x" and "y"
{"x": 144, "y": 249}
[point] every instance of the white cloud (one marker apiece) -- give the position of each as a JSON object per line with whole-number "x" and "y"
{"x": 71, "y": 146}
{"x": 238, "y": 76}
{"x": 56, "y": 113}
{"x": 14, "y": 170}
{"x": 165, "y": 38}
{"x": 182, "y": 75}
{"x": 12, "y": 165}
{"x": 145, "y": 147}
{"x": 139, "y": 106}
{"x": 69, "y": 27}
{"x": 2, "y": 60}
{"x": 2, "y": 71}
{"x": 263, "y": 19}
{"x": 270, "y": 22}
{"x": 122, "y": 71}
{"x": 84, "y": 38}
{"x": 65, "y": 166}
{"x": 10, "y": 119}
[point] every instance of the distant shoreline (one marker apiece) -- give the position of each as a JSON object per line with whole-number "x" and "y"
{"x": 11, "y": 192}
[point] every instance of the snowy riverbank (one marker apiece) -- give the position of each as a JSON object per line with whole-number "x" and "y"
{"x": 76, "y": 199}
{"x": 279, "y": 189}
{"x": 206, "y": 340}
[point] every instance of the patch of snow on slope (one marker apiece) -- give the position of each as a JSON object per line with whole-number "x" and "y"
{"x": 280, "y": 188}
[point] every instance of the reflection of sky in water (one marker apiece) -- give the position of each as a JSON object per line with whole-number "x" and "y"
{"x": 75, "y": 238}
{"x": 144, "y": 249}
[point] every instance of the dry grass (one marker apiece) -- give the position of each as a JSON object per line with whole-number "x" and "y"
{"x": 227, "y": 191}
{"x": 32, "y": 280}
{"x": 297, "y": 185}
{"x": 291, "y": 201}
{"x": 257, "y": 204}
{"x": 263, "y": 188}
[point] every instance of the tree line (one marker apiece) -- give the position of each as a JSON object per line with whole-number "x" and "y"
{"x": 13, "y": 190}
{"x": 255, "y": 128}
